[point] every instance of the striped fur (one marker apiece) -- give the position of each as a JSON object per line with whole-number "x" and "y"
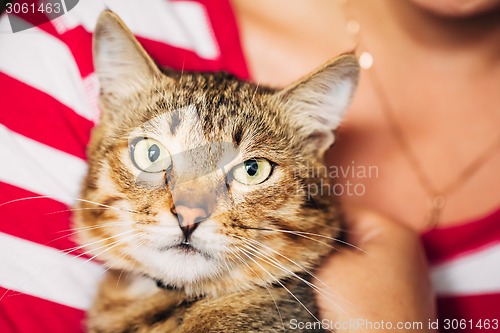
{"x": 251, "y": 256}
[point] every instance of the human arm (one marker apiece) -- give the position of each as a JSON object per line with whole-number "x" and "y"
{"x": 387, "y": 280}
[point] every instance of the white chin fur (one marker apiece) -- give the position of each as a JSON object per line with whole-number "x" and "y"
{"x": 182, "y": 268}
{"x": 179, "y": 268}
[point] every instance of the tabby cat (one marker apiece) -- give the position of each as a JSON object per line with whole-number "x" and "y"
{"x": 197, "y": 194}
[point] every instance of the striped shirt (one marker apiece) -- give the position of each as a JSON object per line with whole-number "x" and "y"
{"x": 465, "y": 272}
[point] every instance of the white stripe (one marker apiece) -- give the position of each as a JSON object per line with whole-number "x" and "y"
{"x": 91, "y": 85}
{"x": 4, "y": 24}
{"x": 39, "y": 168}
{"x": 197, "y": 24}
{"x": 44, "y": 62}
{"x": 44, "y": 272}
{"x": 183, "y": 24}
{"x": 477, "y": 273}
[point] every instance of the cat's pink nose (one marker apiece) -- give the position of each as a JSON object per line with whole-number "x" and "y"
{"x": 189, "y": 218}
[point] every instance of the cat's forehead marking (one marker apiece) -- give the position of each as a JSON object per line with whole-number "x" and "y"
{"x": 199, "y": 164}
{"x": 178, "y": 129}
{"x": 193, "y": 153}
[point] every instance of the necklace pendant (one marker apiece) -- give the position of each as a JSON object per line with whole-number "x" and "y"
{"x": 365, "y": 60}
{"x": 436, "y": 204}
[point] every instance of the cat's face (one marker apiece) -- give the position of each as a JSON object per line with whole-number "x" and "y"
{"x": 205, "y": 180}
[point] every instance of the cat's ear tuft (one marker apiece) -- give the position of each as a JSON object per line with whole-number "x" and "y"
{"x": 317, "y": 102}
{"x": 122, "y": 65}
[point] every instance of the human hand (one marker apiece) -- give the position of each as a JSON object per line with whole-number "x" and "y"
{"x": 386, "y": 280}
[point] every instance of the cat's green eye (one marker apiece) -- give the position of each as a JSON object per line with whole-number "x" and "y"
{"x": 149, "y": 155}
{"x": 252, "y": 172}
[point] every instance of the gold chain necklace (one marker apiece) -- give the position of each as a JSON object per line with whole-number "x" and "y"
{"x": 437, "y": 196}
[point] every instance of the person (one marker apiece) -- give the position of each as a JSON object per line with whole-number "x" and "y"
{"x": 426, "y": 114}
{"x": 424, "y": 118}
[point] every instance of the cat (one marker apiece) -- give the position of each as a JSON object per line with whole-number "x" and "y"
{"x": 196, "y": 197}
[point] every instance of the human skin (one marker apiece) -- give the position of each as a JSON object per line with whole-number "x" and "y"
{"x": 439, "y": 64}
{"x": 386, "y": 282}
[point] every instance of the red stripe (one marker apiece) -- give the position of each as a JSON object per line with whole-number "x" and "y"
{"x": 469, "y": 308}
{"x": 170, "y": 56}
{"x": 41, "y": 117}
{"x": 21, "y": 313}
{"x": 35, "y": 220}
{"x": 447, "y": 243}
{"x": 226, "y": 32}
{"x": 79, "y": 42}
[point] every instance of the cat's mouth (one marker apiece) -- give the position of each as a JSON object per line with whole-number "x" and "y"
{"x": 185, "y": 248}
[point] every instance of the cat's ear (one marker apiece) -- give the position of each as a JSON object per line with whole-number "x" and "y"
{"x": 316, "y": 103}
{"x": 122, "y": 65}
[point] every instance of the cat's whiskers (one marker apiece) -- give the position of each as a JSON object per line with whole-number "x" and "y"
{"x": 257, "y": 243}
{"x": 26, "y": 198}
{"x": 109, "y": 246}
{"x": 230, "y": 265}
{"x": 106, "y": 247}
{"x": 306, "y": 235}
{"x": 116, "y": 261}
{"x": 275, "y": 263}
{"x": 294, "y": 233}
{"x": 66, "y": 252}
{"x": 72, "y": 198}
{"x": 76, "y": 248}
{"x": 97, "y": 226}
{"x": 134, "y": 263}
{"x": 77, "y": 209}
{"x": 301, "y": 233}
{"x": 255, "y": 91}
{"x": 162, "y": 94}
{"x": 121, "y": 258}
{"x": 327, "y": 294}
{"x": 249, "y": 255}
{"x": 83, "y": 229}
{"x": 108, "y": 206}
{"x": 264, "y": 284}
{"x": 321, "y": 291}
